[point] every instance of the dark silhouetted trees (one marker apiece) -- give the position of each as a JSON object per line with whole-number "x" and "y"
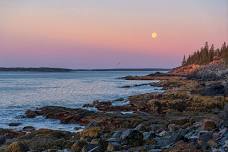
{"x": 207, "y": 54}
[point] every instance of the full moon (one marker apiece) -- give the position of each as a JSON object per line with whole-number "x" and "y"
{"x": 154, "y": 35}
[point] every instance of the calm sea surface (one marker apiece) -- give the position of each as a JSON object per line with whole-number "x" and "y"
{"x": 20, "y": 91}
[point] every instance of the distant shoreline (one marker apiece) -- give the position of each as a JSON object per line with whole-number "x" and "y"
{"x": 46, "y": 69}
{"x": 41, "y": 69}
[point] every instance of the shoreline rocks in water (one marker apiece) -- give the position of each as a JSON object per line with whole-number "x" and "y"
{"x": 182, "y": 118}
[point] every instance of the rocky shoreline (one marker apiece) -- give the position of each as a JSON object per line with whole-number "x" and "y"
{"x": 190, "y": 115}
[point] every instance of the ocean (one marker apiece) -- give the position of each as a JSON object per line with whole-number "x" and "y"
{"x": 20, "y": 91}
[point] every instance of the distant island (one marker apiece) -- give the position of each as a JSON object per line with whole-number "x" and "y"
{"x": 46, "y": 69}
{"x": 41, "y": 69}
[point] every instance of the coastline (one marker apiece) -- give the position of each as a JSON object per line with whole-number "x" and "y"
{"x": 40, "y": 69}
{"x": 50, "y": 69}
{"x": 179, "y": 117}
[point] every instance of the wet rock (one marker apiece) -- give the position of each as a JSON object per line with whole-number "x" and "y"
{"x": 173, "y": 127}
{"x": 30, "y": 114}
{"x": 139, "y": 85}
{"x": 100, "y": 143}
{"x": 212, "y": 143}
{"x": 183, "y": 147}
{"x": 77, "y": 147}
{"x": 106, "y": 121}
{"x": 14, "y": 124}
{"x": 28, "y": 128}
{"x": 220, "y": 134}
{"x": 92, "y": 124}
{"x": 77, "y": 128}
{"x": 149, "y": 135}
{"x": 166, "y": 141}
{"x": 213, "y": 89}
{"x": 92, "y": 132}
{"x": 149, "y": 138}
{"x": 119, "y": 99}
{"x": 52, "y": 150}
{"x": 95, "y": 141}
{"x": 162, "y": 133}
{"x": 225, "y": 146}
{"x": 192, "y": 135}
{"x": 141, "y": 127}
{"x": 226, "y": 115}
{"x": 138, "y": 78}
{"x": 9, "y": 134}
{"x": 110, "y": 106}
{"x": 44, "y": 139}
{"x": 102, "y": 105}
{"x": 181, "y": 121}
{"x": 155, "y": 150}
{"x": 17, "y": 147}
{"x": 116, "y": 134}
{"x": 115, "y": 139}
{"x": 88, "y": 105}
{"x": 209, "y": 124}
{"x": 205, "y": 136}
{"x": 132, "y": 137}
{"x": 2, "y": 140}
{"x": 65, "y": 115}
{"x": 158, "y": 127}
{"x": 90, "y": 148}
{"x": 113, "y": 146}
{"x": 170, "y": 138}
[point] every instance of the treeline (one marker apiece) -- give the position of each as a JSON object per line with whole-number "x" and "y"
{"x": 207, "y": 54}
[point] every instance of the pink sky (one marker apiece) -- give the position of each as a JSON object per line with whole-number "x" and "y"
{"x": 111, "y": 34}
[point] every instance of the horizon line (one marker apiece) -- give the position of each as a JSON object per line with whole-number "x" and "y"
{"x": 81, "y": 69}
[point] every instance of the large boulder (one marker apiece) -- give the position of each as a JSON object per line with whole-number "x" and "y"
{"x": 182, "y": 146}
{"x": 148, "y": 137}
{"x": 2, "y": 140}
{"x": 9, "y": 134}
{"x": 113, "y": 146}
{"x": 17, "y": 147}
{"x": 205, "y": 136}
{"x": 30, "y": 114}
{"x": 214, "y": 88}
{"x": 77, "y": 146}
{"x": 28, "y": 128}
{"x": 132, "y": 137}
{"x": 226, "y": 115}
{"x": 44, "y": 139}
{"x": 65, "y": 115}
{"x": 209, "y": 124}
{"x": 92, "y": 132}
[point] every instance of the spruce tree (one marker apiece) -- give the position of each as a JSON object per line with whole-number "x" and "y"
{"x": 184, "y": 61}
{"x": 206, "y": 55}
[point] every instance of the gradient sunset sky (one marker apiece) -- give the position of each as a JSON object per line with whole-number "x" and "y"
{"x": 107, "y": 33}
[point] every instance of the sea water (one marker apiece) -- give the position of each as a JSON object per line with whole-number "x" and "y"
{"x": 20, "y": 91}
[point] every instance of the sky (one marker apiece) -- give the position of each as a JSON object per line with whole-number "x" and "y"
{"x": 107, "y": 33}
